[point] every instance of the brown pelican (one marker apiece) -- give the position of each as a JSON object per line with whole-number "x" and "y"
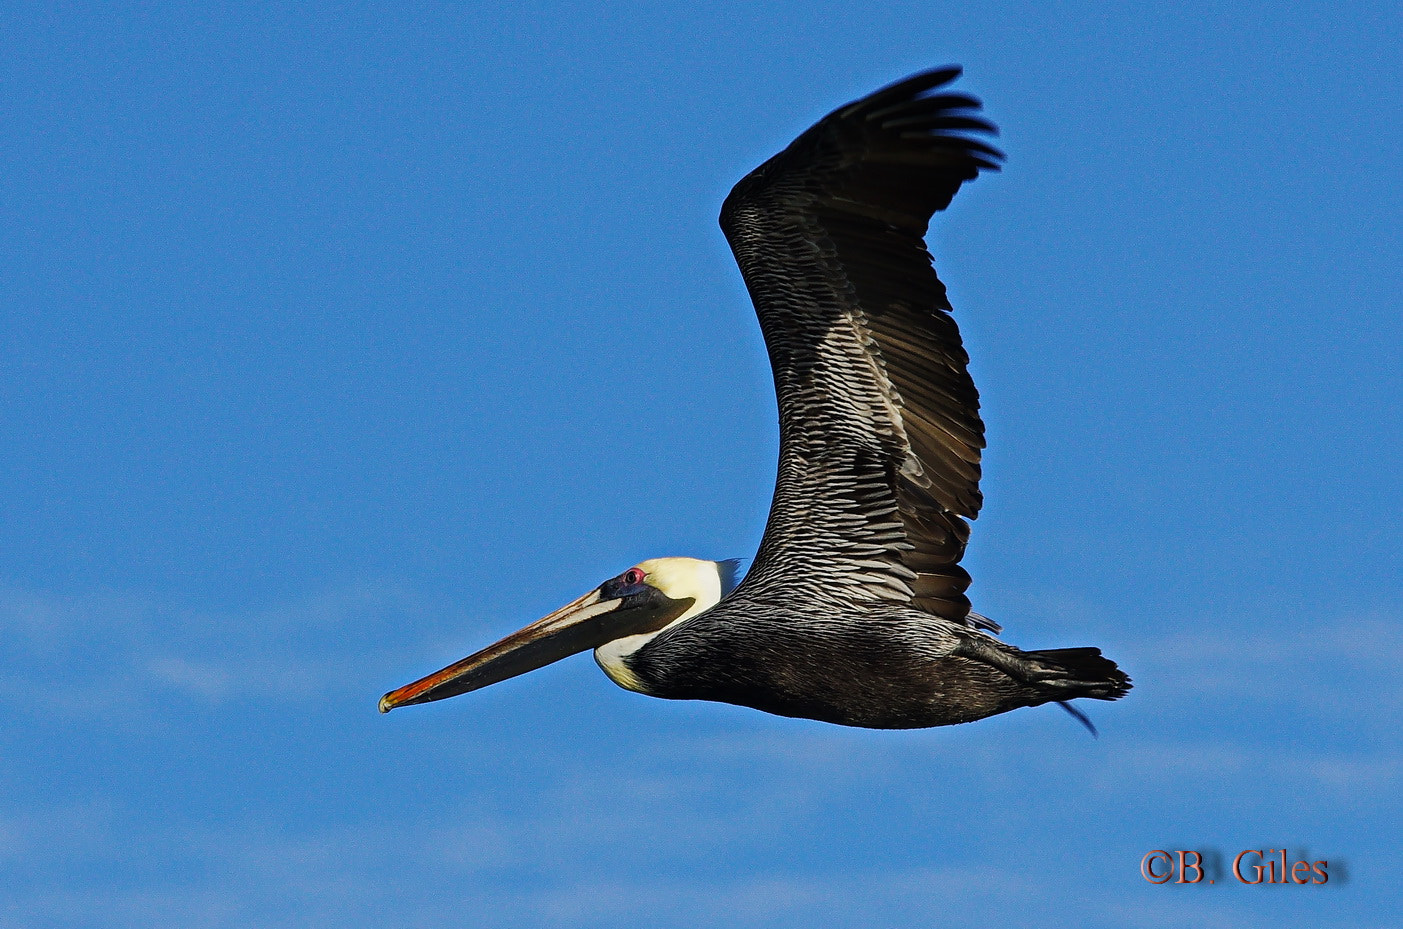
{"x": 854, "y": 611}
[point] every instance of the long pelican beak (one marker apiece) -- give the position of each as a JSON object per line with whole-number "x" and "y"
{"x": 586, "y": 623}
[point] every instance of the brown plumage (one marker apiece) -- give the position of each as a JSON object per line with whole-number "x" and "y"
{"x": 855, "y": 609}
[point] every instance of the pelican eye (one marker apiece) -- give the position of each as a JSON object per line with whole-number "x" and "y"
{"x": 633, "y": 577}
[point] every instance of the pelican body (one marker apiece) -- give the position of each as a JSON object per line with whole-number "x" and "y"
{"x": 854, "y": 610}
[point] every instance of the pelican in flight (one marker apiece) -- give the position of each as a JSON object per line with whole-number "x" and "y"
{"x": 854, "y": 610}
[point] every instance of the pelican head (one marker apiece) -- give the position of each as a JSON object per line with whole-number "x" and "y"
{"x": 614, "y": 619}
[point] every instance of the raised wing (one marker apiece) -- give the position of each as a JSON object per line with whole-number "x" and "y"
{"x": 880, "y": 434}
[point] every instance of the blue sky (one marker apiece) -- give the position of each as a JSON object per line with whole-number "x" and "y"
{"x": 339, "y": 340}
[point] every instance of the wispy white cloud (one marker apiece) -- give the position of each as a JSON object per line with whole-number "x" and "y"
{"x": 114, "y": 657}
{"x": 375, "y": 876}
{"x": 684, "y": 827}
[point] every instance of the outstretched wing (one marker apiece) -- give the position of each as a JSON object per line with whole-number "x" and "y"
{"x": 880, "y": 434}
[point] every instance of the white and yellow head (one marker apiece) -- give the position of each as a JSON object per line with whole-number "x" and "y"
{"x": 615, "y": 619}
